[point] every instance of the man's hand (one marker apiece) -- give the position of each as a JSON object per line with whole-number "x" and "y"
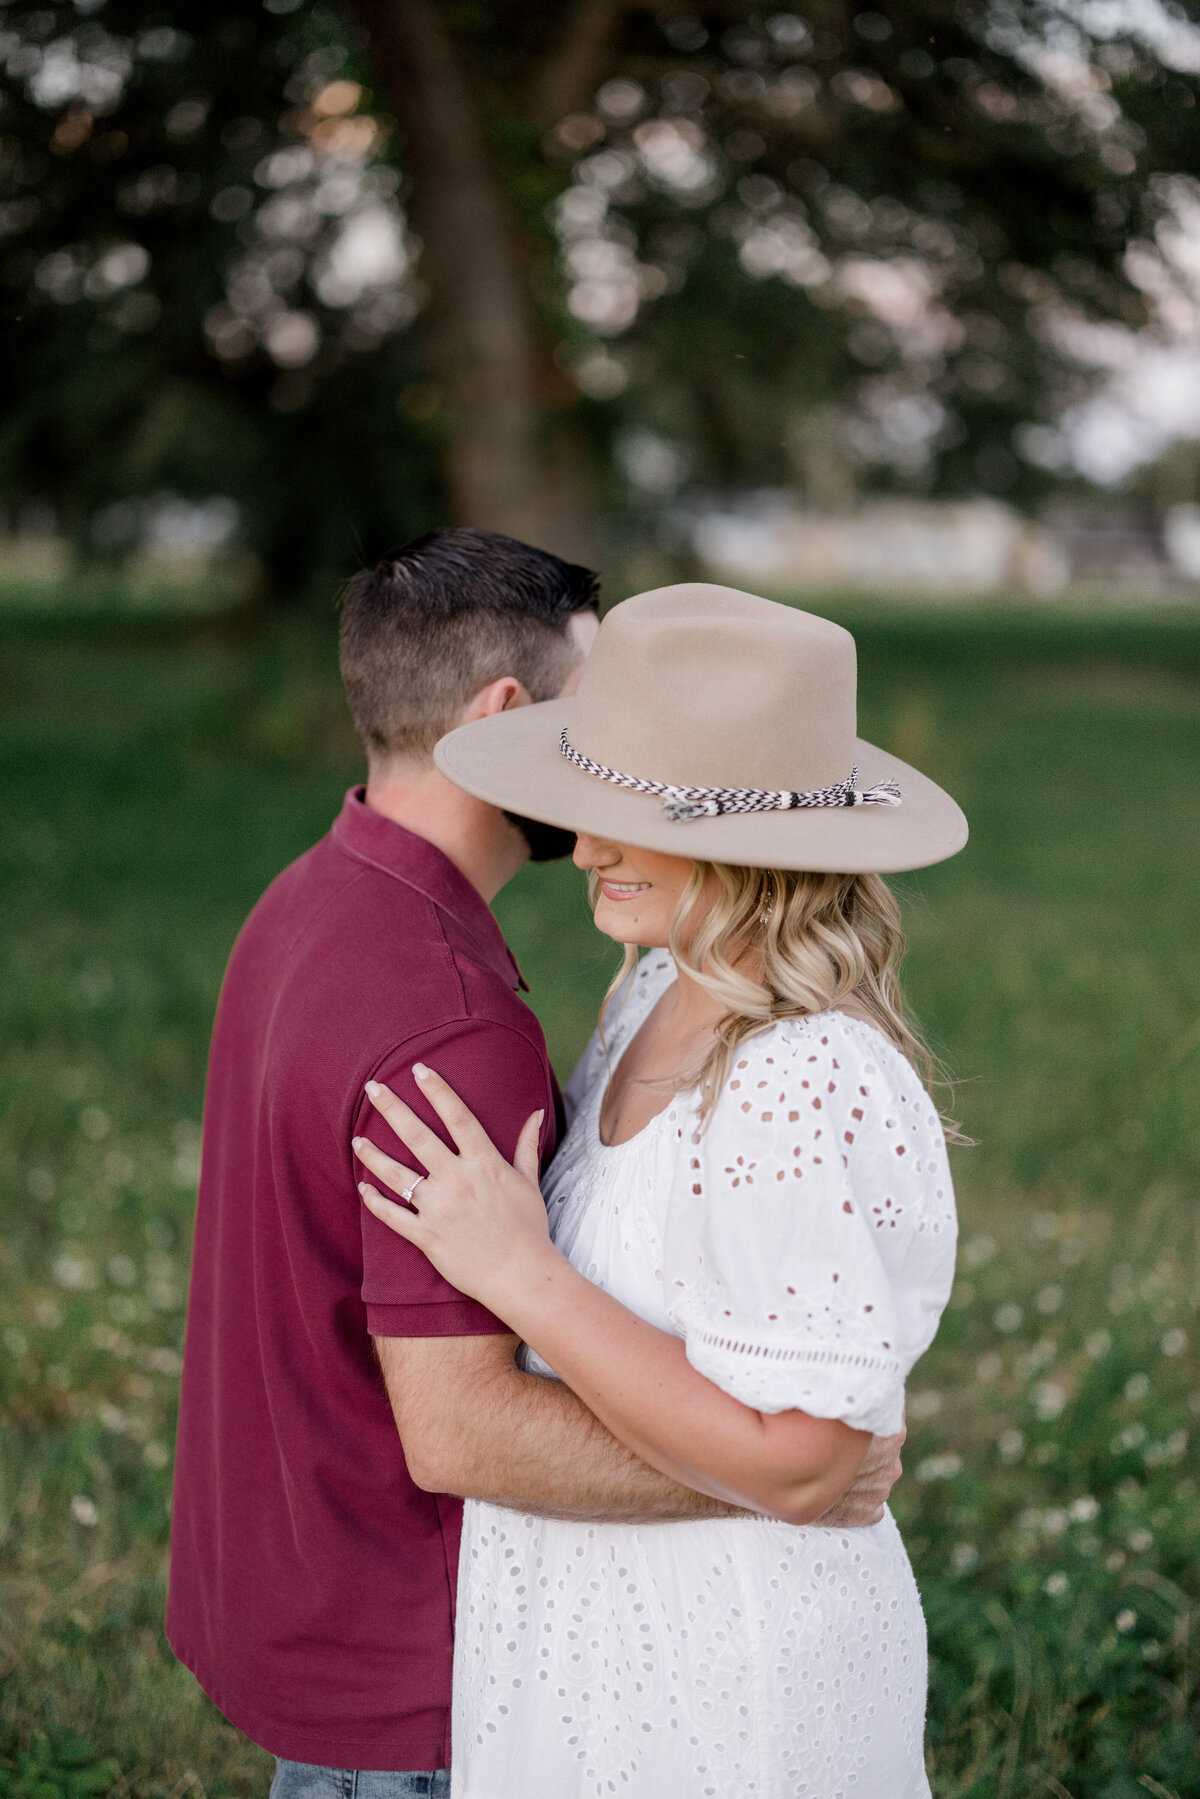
{"x": 863, "y": 1502}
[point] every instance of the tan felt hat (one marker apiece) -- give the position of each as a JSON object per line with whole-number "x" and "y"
{"x": 713, "y": 724}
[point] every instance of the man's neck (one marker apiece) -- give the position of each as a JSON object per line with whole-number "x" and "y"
{"x": 476, "y": 837}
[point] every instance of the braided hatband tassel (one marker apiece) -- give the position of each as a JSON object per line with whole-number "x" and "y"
{"x": 681, "y": 804}
{"x": 884, "y": 793}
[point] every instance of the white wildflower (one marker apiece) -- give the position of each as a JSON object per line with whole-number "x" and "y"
{"x": 924, "y": 1405}
{"x": 939, "y": 1467}
{"x": 978, "y": 1250}
{"x": 94, "y": 1123}
{"x": 72, "y": 1272}
{"x": 1049, "y": 1399}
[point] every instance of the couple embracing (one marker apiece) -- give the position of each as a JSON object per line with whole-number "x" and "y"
{"x": 654, "y": 1331}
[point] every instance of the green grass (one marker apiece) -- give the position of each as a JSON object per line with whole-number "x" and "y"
{"x": 155, "y": 779}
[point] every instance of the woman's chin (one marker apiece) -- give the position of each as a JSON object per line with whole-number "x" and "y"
{"x": 613, "y": 918}
{"x": 608, "y": 926}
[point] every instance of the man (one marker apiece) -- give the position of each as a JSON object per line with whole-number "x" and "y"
{"x": 338, "y": 1396}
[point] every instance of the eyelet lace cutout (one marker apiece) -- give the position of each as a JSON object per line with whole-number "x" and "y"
{"x": 803, "y": 1245}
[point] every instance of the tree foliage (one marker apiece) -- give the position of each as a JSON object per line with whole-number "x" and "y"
{"x": 829, "y": 245}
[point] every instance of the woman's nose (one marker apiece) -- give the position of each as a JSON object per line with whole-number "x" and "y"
{"x": 593, "y": 852}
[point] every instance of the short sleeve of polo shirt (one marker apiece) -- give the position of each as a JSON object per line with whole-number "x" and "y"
{"x": 500, "y": 1075}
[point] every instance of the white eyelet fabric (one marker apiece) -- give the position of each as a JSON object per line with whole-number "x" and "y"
{"x": 803, "y": 1245}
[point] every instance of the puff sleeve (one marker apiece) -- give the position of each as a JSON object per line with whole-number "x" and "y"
{"x": 809, "y": 1240}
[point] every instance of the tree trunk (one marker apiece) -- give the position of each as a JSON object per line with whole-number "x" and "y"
{"x": 486, "y": 348}
{"x": 574, "y": 67}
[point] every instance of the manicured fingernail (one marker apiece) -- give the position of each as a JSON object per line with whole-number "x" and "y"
{"x": 372, "y": 1087}
{"x": 357, "y": 1143}
{"x": 420, "y": 1070}
{"x": 362, "y": 1187}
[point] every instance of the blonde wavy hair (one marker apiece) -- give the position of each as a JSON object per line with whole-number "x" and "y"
{"x": 772, "y": 943}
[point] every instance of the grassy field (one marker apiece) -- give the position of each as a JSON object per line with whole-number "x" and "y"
{"x": 154, "y": 779}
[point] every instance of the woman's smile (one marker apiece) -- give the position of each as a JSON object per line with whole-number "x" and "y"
{"x": 623, "y": 890}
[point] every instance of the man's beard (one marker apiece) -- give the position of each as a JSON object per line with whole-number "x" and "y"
{"x": 547, "y": 843}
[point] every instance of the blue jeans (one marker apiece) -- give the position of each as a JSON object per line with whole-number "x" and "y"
{"x": 301, "y": 1780}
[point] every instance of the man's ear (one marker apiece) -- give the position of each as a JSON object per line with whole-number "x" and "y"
{"x": 498, "y": 696}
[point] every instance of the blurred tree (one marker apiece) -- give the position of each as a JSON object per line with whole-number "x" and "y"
{"x": 832, "y": 246}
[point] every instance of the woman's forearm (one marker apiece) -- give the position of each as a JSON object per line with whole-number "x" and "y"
{"x": 639, "y": 1383}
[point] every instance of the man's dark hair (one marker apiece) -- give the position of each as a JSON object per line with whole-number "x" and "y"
{"x": 446, "y": 615}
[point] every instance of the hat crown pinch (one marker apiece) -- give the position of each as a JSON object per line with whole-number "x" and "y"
{"x": 700, "y": 685}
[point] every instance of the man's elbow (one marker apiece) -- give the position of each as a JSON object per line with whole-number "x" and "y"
{"x": 442, "y": 1477}
{"x": 434, "y": 1466}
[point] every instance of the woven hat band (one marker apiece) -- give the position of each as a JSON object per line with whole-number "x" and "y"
{"x": 682, "y": 804}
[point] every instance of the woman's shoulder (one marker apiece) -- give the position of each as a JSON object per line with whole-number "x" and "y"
{"x": 823, "y": 1039}
{"x": 844, "y": 1042}
{"x": 824, "y": 1063}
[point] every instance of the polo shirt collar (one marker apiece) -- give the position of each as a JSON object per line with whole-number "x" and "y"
{"x": 369, "y": 837}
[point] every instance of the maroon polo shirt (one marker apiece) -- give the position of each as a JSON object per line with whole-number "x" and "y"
{"x": 312, "y": 1584}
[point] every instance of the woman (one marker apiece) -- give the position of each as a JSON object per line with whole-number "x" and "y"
{"x": 747, "y": 1235}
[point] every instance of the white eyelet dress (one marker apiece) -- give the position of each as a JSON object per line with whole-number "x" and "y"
{"x": 803, "y": 1245}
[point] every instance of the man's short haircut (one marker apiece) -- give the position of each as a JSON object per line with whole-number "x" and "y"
{"x": 442, "y": 618}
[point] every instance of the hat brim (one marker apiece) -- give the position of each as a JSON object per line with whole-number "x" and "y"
{"x": 513, "y": 761}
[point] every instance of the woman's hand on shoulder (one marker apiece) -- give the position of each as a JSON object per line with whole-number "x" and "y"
{"x": 479, "y": 1219}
